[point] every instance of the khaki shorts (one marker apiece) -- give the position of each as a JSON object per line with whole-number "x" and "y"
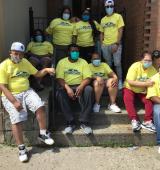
{"x": 29, "y": 99}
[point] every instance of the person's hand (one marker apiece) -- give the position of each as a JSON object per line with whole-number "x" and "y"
{"x": 50, "y": 71}
{"x": 149, "y": 83}
{"x": 114, "y": 82}
{"x": 115, "y": 48}
{"x": 79, "y": 90}
{"x": 17, "y": 104}
{"x": 70, "y": 93}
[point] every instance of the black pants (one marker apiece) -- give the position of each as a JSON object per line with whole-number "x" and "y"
{"x": 86, "y": 53}
{"x": 85, "y": 101}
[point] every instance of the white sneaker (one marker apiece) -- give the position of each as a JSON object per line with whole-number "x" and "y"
{"x": 120, "y": 85}
{"x": 23, "y": 154}
{"x": 136, "y": 126}
{"x": 114, "y": 108}
{"x": 46, "y": 139}
{"x": 86, "y": 129}
{"x": 149, "y": 126}
{"x": 96, "y": 108}
{"x": 69, "y": 129}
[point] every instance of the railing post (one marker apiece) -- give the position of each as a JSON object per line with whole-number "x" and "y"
{"x": 31, "y": 21}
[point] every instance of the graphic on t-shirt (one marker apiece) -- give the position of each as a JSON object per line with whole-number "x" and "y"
{"x": 72, "y": 71}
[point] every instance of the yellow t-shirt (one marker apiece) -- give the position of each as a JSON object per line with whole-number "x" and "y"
{"x": 136, "y": 72}
{"x": 155, "y": 89}
{"x": 101, "y": 71}
{"x": 16, "y": 75}
{"x": 110, "y": 26}
{"x": 40, "y": 48}
{"x": 73, "y": 73}
{"x": 84, "y": 33}
{"x": 61, "y": 30}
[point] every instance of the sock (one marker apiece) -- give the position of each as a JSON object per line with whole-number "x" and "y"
{"x": 43, "y": 131}
{"x": 21, "y": 147}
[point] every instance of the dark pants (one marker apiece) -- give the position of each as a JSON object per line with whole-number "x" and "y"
{"x": 85, "y": 101}
{"x": 61, "y": 52}
{"x": 86, "y": 53}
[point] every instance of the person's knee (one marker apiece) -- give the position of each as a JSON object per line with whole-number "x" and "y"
{"x": 156, "y": 110}
{"x": 88, "y": 89}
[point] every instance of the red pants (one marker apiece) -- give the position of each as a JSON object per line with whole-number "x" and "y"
{"x": 129, "y": 97}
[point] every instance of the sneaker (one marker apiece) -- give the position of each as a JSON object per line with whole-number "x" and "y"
{"x": 23, "y": 154}
{"x": 114, "y": 108}
{"x": 46, "y": 139}
{"x": 96, "y": 108}
{"x": 69, "y": 129}
{"x": 149, "y": 126}
{"x": 120, "y": 85}
{"x": 86, "y": 129}
{"x": 136, "y": 126}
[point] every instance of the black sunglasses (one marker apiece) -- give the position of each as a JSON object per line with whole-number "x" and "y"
{"x": 109, "y": 6}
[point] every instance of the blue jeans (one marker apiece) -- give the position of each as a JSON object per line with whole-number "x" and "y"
{"x": 156, "y": 114}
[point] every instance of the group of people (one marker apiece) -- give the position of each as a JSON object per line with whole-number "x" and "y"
{"x": 81, "y": 75}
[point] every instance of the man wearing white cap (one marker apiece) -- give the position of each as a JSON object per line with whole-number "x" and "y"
{"x": 17, "y": 96}
{"x": 111, "y": 33}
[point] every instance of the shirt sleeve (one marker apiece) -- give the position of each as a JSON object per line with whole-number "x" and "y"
{"x": 132, "y": 73}
{"x": 151, "y": 91}
{"x": 75, "y": 29}
{"x": 101, "y": 28}
{"x": 97, "y": 25}
{"x": 50, "y": 48}
{"x": 60, "y": 70}
{"x": 32, "y": 70}
{"x": 86, "y": 71}
{"x": 4, "y": 75}
{"x": 50, "y": 28}
{"x": 29, "y": 46}
{"x": 120, "y": 22}
{"x": 108, "y": 70}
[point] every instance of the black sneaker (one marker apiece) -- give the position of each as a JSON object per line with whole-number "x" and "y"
{"x": 46, "y": 139}
{"x": 23, "y": 154}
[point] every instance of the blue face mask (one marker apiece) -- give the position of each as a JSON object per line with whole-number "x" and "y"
{"x": 109, "y": 10}
{"x": 39, "y": 38}
{"x": 66, "y": 16}
{"x": 74, "y": 55}
{"x": 147, "y": 64}
{"x": 85, "y": 17}
{"x": 96, "y": 62}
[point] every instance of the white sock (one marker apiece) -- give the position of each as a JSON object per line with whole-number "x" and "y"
{"x": 21, "y": 147}
{"x": 43, "y": 131}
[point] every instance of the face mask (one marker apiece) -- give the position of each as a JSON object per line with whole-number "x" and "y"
{"x": 74, "y": 55}
{"x": 39, "y": 38}
{"x": 85, "y": 17}
{"x": 15, "y": 59}
{"x": 96, "y": 62}
{"x": 147, "y": 64}
{"x": 109, "y": 10}
{"x": 66, "y": 16}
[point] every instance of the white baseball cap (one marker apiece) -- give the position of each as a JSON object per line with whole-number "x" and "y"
{"x": 17, "y": 46}
{"x": 109, "y": 2}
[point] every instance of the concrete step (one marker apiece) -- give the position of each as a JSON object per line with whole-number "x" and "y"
{"x": 109, "y": 135}
{"x": 104, "y": 117}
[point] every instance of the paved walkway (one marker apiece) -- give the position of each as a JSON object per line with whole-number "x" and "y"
{"x": 91, "y": 158}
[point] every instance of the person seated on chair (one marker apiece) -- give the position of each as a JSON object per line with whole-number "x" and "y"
{"x": 39, "y": 53}
{"x": 103, "y": 76}
{"x": 137, "y": 81}
{"x": 17, "y": 95}
{"x": 74, "y": 76}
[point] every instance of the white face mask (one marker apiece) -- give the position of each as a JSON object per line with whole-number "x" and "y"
{"x": 15, "y": 59}
{"x": 66, "y": 16}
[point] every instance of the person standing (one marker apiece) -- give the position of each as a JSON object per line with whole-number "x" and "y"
{"x": 86, "y": 31}
{"x": 62, "y": 31}
{"x": 111, "y": 34}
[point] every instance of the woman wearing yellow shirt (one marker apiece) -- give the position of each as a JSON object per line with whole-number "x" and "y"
{"x": 62, "y": 31}
{"x": 103, "y": 76}
{"x": 85, "y": 33}
{"x": 39, "y": 53}
{"x": 136, "y": 84}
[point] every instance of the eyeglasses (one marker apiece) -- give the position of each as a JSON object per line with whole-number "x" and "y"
{"x": 109, "y": 6}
